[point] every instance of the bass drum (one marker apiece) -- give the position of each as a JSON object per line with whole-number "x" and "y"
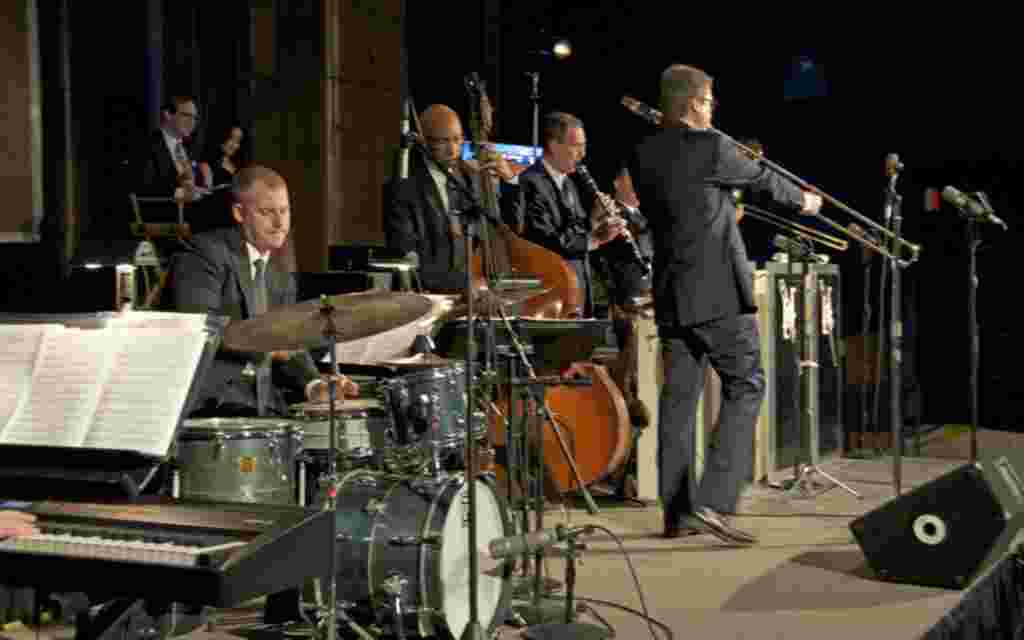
{"x": 405, "y": 540}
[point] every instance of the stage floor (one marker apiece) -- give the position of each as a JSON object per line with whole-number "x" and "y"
{"x": 806, "y": 579}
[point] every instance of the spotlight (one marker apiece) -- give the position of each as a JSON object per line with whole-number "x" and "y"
{"x": 562, "y": 49}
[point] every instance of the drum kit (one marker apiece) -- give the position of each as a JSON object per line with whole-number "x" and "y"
{"x": 393, "y": 465}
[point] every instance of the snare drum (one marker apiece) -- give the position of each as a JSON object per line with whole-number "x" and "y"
{"x": 238, "y": 460}
{"x": 361, "y": 426}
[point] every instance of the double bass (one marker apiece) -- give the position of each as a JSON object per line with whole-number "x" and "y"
{"x": 507, "y": 254}
{"x": 593, "y": 437}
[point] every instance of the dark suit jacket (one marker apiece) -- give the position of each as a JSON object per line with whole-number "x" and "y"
{"x": 156, "y": 176}
{"x": 552, "y": 225}
{"x": 211, "y": 274}
{"x": 684, "y": 179}
{"x": 415, "y": 220}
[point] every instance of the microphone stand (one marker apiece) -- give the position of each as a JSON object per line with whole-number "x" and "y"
{"x": 893, "y": 208}
{"x": 973, "y": 242}
{"x": 534, "y": 77}
{"x": 569, "y": 629}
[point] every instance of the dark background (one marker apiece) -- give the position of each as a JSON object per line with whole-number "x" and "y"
{"x": 939, "y": 90}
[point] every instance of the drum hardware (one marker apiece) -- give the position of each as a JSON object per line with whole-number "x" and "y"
{"x": 394, "y": 587}
{"x": 402, "y": 553}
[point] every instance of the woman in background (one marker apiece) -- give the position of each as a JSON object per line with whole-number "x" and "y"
{"x": 222, "y": 158}
{"x": 220, "y": 161}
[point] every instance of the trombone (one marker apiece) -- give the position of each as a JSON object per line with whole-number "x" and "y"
{"x": 915, "y": 249}
{"x": 799, "y": 230}
{"x": 654, "y": 116}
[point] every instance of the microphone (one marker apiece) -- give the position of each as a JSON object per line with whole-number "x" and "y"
{"x": 647, "y": 113}
{"x": 893, "y": 165}
{"x": 533, "y": 542}
{"x": 981, "y": 210}
{"x": 403, "y": 151}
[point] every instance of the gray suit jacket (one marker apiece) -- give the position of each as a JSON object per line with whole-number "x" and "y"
{"x": 211, "y": 274}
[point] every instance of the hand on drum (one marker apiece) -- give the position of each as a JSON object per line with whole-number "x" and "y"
{"x": 319, "y": 391}
{"x": 16, "y": 523}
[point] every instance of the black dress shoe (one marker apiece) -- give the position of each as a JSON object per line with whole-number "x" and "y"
{"x": 717, "y": 525}
{"x": 684, "y": 527}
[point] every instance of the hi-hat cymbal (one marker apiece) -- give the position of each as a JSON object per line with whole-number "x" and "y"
{"x": 306, "y": 326}
{"x": 418, "y": 361}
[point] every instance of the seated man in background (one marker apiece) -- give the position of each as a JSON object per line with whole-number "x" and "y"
{"x": 233, "y": 272}
{"x": 424, "y": 212}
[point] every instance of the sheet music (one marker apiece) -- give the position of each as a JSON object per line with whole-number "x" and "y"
{"x": 157, "y": 320}
{"x": 112, "y": 388}
{"x": 64, "y": 389}
{"x": 17, "y": 361}
{"x": 143, "y": 396}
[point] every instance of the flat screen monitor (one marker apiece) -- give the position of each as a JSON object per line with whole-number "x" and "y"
{"x": 519, "y": 154}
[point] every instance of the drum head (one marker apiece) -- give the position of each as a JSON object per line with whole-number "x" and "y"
{"x": 454, "y": 560}
{"x": 228, "y": 428}
{"x": 348, "y": 407}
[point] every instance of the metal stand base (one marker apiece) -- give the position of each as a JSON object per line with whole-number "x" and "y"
{"x": 804, "y": 484}
{"x": 530, "y": 614}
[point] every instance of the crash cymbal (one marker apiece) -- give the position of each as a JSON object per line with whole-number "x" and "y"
{"x": 305, "y": 325}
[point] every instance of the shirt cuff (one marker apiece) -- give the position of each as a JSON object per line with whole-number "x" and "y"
{"x": 309, "y": 388}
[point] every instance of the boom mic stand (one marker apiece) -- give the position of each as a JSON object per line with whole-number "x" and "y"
{"x": 893, "y": 209}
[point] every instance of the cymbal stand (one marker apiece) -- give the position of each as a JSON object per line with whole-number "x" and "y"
{"x": 473, "y": 630}
{"x": 329, "y": 622}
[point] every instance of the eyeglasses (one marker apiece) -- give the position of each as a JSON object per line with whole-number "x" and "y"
{"x": 437, "y": 142}
{"x": 712, "y": 101}
{"x": 270, "y": 212}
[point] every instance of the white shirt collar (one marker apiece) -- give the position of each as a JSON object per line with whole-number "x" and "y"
{"x": 555, "y": 174}
{"x": 171, "y": 140}
{"x": 254, "y": 255}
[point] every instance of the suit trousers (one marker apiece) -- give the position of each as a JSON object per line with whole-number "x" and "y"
{"x": 732, "y": 345}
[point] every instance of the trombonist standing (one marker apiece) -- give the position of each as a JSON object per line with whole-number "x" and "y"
{"x": 703, "y": 298}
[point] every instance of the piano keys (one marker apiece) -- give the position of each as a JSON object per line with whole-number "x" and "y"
{"x": 211, "y": 554}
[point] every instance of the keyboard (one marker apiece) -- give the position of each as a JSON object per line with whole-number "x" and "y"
{"x": 214, "y": 554}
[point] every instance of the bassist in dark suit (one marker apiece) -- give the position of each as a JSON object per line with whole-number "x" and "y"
{"x": 423, "y": 214}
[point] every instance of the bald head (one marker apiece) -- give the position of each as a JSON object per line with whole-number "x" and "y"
{"x": 442, "y": 131}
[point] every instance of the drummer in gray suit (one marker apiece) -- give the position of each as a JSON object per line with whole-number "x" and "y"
{"x": 234, "y": 272}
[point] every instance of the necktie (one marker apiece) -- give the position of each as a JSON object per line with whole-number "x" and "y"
{"x": 455, "y": 227}
{"x": 568, "y": 197}
{"x": 259, "y": 288}
{"x": 259, "y": 306}
{"x": 181, "y": 159}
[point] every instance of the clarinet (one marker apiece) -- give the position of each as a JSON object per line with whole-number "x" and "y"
{"x": 612, "y": 210}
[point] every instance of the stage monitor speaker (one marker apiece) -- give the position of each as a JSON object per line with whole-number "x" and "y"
{"x": 950, "y": 531}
